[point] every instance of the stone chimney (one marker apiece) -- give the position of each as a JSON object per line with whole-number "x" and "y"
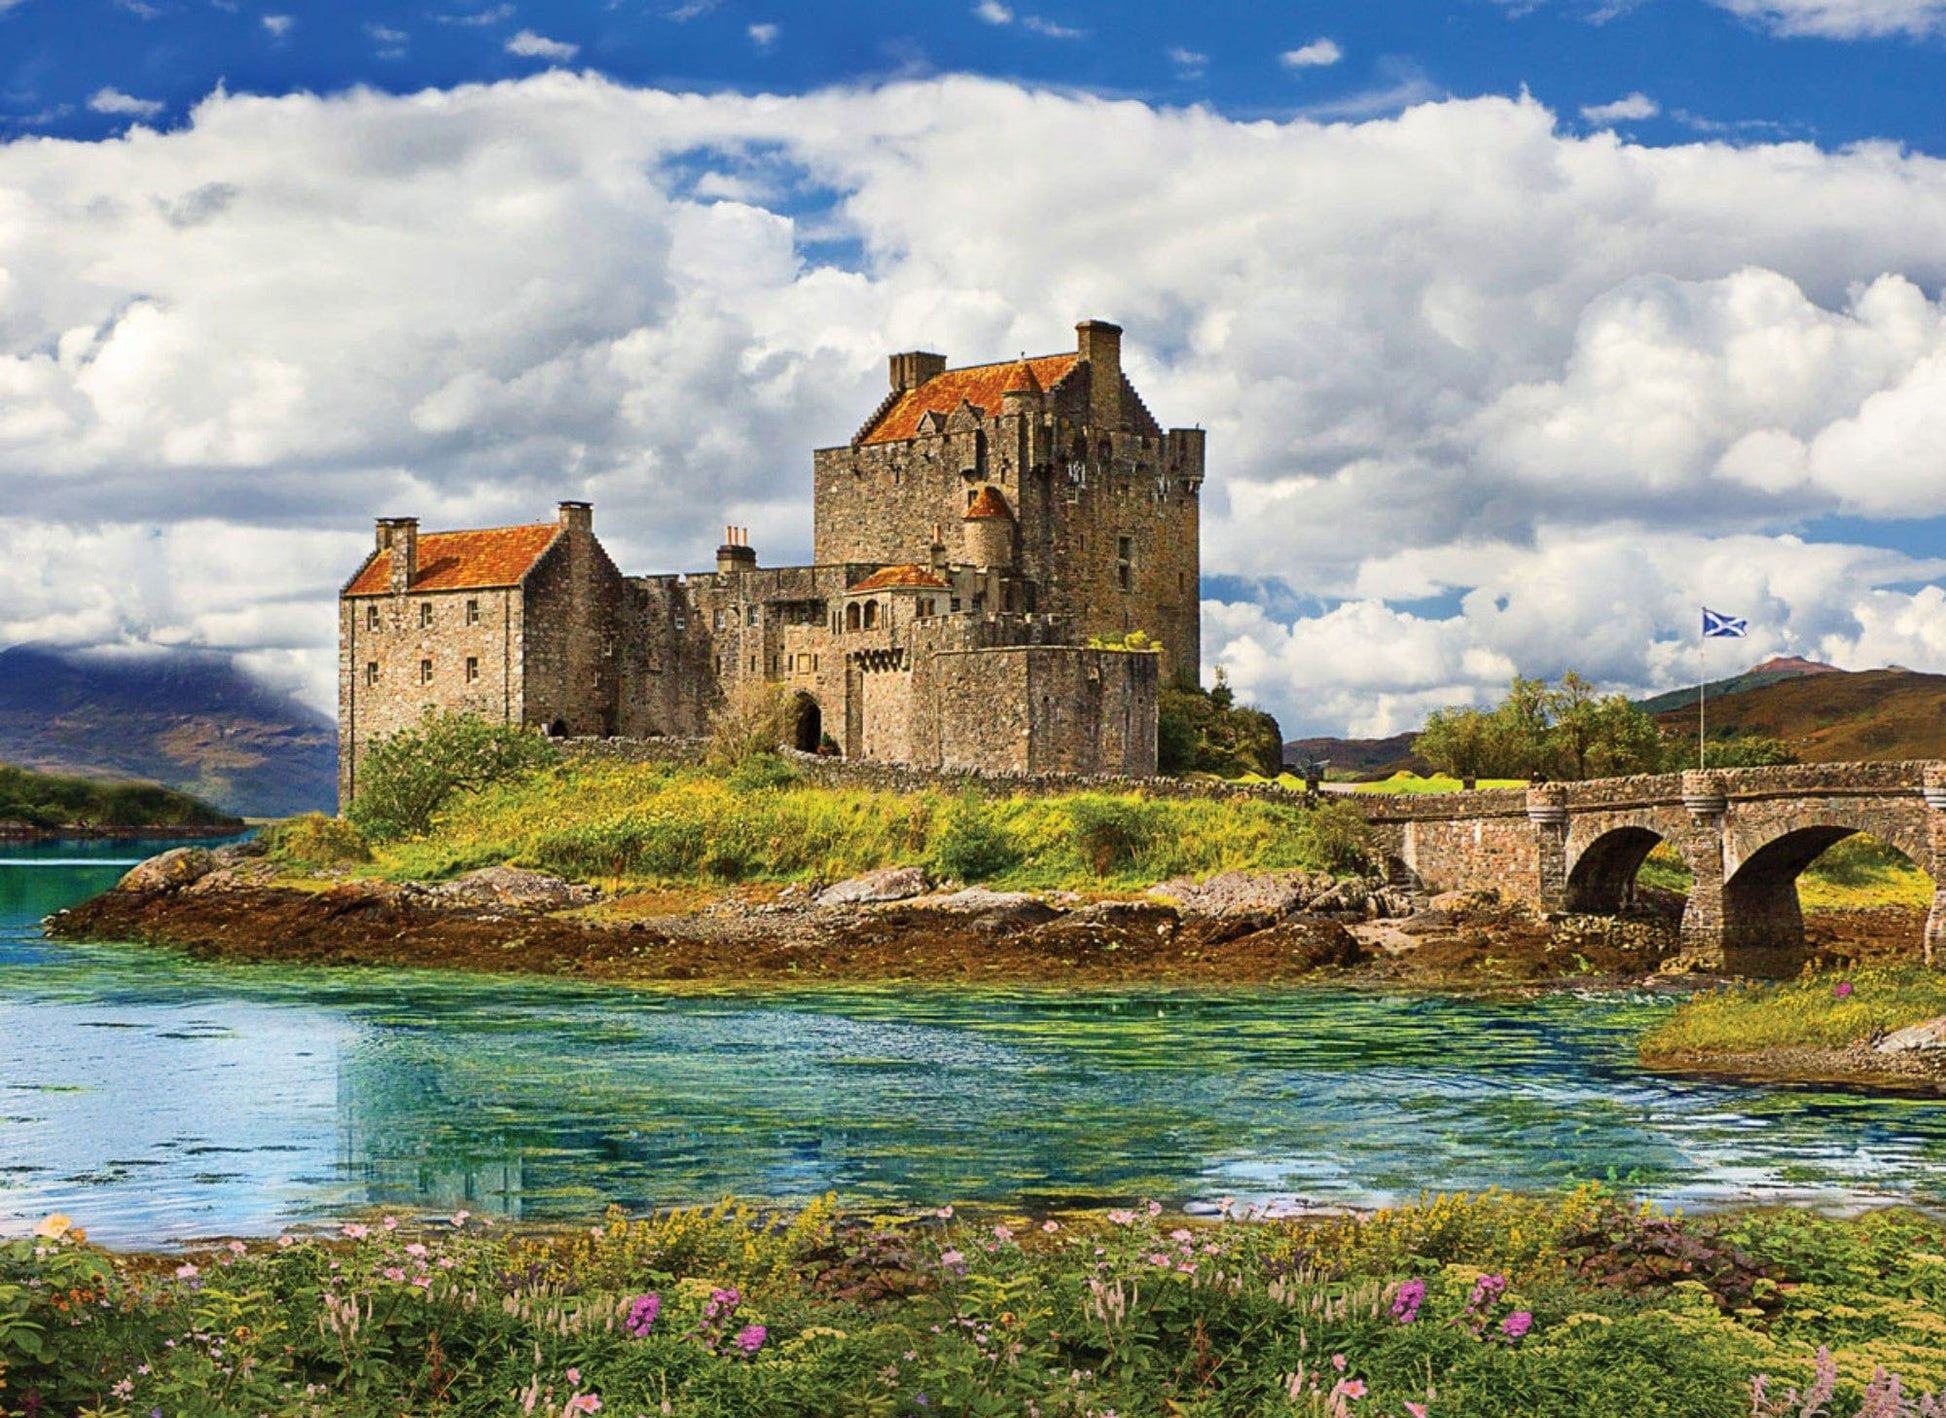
{"x": 914, "y": 368}
{"x": 400, "y": 536}
{"x": 735, "y": 554}
{"x": 1100, "y": 347}
{"x": 578, "y": 519}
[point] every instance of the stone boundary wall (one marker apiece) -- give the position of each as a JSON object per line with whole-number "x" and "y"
{"x": 876, "y": 776}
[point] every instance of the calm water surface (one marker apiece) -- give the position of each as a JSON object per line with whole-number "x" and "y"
{"x": 154, "y": 1098}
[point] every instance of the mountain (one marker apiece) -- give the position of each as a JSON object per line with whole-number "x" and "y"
{"x": 1366, "y": 757}
{"x": 190, "y": 720}
{"x": 1830, "y": 716}
{"x": 1772, "y": 671}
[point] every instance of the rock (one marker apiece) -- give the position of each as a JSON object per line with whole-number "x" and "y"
{"x": 1349, "y": 895}
{"x": 996, "y": 908}
{"x": 1689, "y": 962}
{"x": 173, "y": 870}
{"x": 1276, "y": 893}
{"x": 514, "y": 887}
{"x": 1459, "y": 903}
{"x": 885, "y": 884}
{"x": 1915, "y": 1038}
{"x": 1315, "y": 945}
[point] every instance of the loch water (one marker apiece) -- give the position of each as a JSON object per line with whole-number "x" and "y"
{"x": 155, "y": 1098}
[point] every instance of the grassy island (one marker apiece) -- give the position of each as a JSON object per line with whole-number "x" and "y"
{"x": 1485, "y": 1307}
{"x": 39, "y": 803}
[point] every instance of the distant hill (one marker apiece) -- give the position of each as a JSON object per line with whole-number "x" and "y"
{"x": 1774, "y": 671}
{"x": 190, "y": 720}
{"x": 1365, "y": 757}
{"x": 1831, "y": 716}
{"x": 50, "y": 800}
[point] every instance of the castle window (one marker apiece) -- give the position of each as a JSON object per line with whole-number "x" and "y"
{"x": 682, "y": 621}
{"x": 371, "y": 672}
{"x": 425, "y": 672}
{"x": 719, "y": 664}
{"x": 425, "y": 614}
{"x": 472, "y": 612}
{"x": 371, "y": 617}
{"x": 814, "y": 664}
{"x": 1124, "y": 558}
{"x": 753, "y": 664}
{"x": 954, "y": 604}
{"x": 851, "y": 616}
{"x": 871, "y": 615}
{"x": 472, "y": 668}
{"x": 750, "y": 615}
{"x": 719, "y": 617}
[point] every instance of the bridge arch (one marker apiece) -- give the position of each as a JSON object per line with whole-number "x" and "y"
{"x": 1601, "y": 880}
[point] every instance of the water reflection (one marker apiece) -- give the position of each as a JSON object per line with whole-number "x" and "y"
{"x": 155, "y": 1097}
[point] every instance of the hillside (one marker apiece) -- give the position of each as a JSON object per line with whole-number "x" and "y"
{"x": 1773, "y": 671}
{"x": 189, "y": 720}
{"x": 45, "y": 800}
{"x": 1834, "y": 716}
{"x": 1363, "y": 757}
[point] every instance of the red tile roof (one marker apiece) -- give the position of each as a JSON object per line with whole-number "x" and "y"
{"x": 990, "y": 503}
{"x": 981, "y": 386}
{"x": 899, "y": 577}
{"x": 456, "y": 561}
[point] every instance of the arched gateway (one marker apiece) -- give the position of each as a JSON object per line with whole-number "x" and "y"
{"x": 1746, "y": 835}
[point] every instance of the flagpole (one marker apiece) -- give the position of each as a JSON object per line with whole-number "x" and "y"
{"x": 1702, "y": 692}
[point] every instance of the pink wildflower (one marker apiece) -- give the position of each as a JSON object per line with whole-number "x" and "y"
{"x": 583, "y": 1403}
{"x": 357, "y": 1232}
{"x": 459, "y": 1217}
{"x": 1417, "y": 1410}
{"x": 1050, "y": 1226}
{"x": 1517, "y": 1324}
{"x": 1179, "y": 1235}
{"x": 415, "y": 1249}
{"x": 391, "y": 1223}
{"x": 1841, "y": 989}
{"x": 945, "y": 1213}
{"x": 1351, "y": 1388}
{"x": 1003, "y": 1233}
{"x": 1155, "y": 1208}
{"x": 1122, "y": 1218}
{"x": 751, "y": 1338}
{"x": 283, "y": 1241}
{"x": 186, "y": 1271}
{"x": 574, "y": 1376}
{"x": 1338, "y": 1362}
{"x": 392, "y": 1272}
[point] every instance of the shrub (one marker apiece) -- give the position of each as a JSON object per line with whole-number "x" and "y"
{"x": 971, "y": 844}
{"x": 313, "y": 840}
{"x": 762, "y": 772}
{"x": 1336, "y": 838}
{"x": 409, "y": 776}
{"x": 751, "y": 720}
{"x": 1109, "y": 832}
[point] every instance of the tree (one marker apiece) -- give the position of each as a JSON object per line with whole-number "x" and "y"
{"x": 1568, "y": 731}
{"x": 409, "y": 776}
{"x": 1206, "y": 731}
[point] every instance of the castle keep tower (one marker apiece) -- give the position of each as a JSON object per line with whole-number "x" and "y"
{"x": 1106, "y": 521}
{"x": 980, "y": 528}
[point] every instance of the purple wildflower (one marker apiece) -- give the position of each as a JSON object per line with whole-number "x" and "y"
{"x": 1516, "y": 1324}
{"x": 1841, "y": 989}
{"x": 641, "y": 1315}
{"x": 751, "y": 1338}
{"x": 1405, "y": 1304}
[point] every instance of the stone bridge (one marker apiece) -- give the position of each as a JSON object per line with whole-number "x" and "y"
{"x": 1746, "y": 834}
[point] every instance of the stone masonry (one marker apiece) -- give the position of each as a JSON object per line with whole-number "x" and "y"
{"x": 1744, "y": 833}
{"x": 978, "y": 532}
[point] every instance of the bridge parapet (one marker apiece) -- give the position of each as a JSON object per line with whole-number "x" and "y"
{"x": 1746, "y": 834}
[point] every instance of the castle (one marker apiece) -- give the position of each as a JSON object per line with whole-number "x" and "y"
{"x": 977, "y": 533}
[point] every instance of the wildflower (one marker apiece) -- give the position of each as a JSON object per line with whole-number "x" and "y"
{"x": 237, "y": 1248}
{"x": 285, "y": 1242}
{"x": 1003, "y": 1233}
{"x": 642, "y": 1311}
{"x": 54, "y": 1227}
{"x": 1155, "y": 1208}
{"x": 1516, "y": 1324}
{"x": 415, "y": 1249}
{"x": 424, "y": 1282}
{"x": 1159, "y": 1259}
{"x": 574, "y": 1376}
{"x": 391, "y": 1223}
{"x": 357, "y": 1232}
{"x": 945, "y": 1213}
{"x": 1350, "y": 1388}
{"x": 751, "y": 1338}
{"x": 582, "y": 1403}
{"x": 1180, "y": 1235}
{"x": 1841, "y": 989}
{"x": 1225, "y": 1205}
{"x": 1338, "y": 1362}
{"x": 1405, "y": 1304}
{"x": 1122, "y": 1218}
{"x": 459, "y": 1217}
{"x": 392, "y": 1272}
{"x": 186, "y": 1271}
{"x": 952, "y": 1260}
{"x": 1050, "y": 1226}
{"x": 123, "y": 1389}
{"x": 1417, "y": 1410}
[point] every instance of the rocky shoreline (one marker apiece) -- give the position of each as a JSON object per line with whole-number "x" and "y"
{"x": 895, "y": 927}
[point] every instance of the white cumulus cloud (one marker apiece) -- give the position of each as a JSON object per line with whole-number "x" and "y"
{"x": 529, "y": 45}
{"x": 763, "y": 36}
{"x": 279, "y": 25}
{"x": 114, "y": 101}
{"x": 1845, "y": 19}
{"x": 1319, "y": 54}
{"x": 1635, "y": 107}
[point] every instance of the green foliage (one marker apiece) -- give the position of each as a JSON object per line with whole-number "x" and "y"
{"x": 1471, "y": 1307}
{"x": 1206, "y": 731}
{"x": 1731, "y": 749}
{"x": 1826, "y": 1012}
{"x": 753, "y": 719}
{"x": 407, "y": 778}
{"x": 1566, "y": 732}
{"x": 1131, "y": 640}
{"x": 970, "y": 844}
{"x": 762, "y": 771}
{"x": 611, "y": 822}
{"x": 313, "y": 840}
{"x": 56, "y": 800}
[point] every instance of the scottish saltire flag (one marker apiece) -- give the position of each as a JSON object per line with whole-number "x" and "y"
{"x": 1723, "y": 625}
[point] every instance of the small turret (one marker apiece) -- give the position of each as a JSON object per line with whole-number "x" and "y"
{"x": 1023, "y": 392}
{"x": 988, "y": 530}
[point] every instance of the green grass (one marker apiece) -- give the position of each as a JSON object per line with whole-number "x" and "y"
{"x": 1405, "y": 781}
{"x": 632, "y": 823}
{"x": 1859, "y": 873}
{"x": 1526, "y": 1307}
{"x": 1826, "y": 1012}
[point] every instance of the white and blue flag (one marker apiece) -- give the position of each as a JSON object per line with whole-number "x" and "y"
{"x": 1716, "y": 625}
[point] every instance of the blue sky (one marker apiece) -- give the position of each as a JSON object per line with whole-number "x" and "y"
{"x": 1521, "y": 327}
{"x": 1846, "y": 74}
